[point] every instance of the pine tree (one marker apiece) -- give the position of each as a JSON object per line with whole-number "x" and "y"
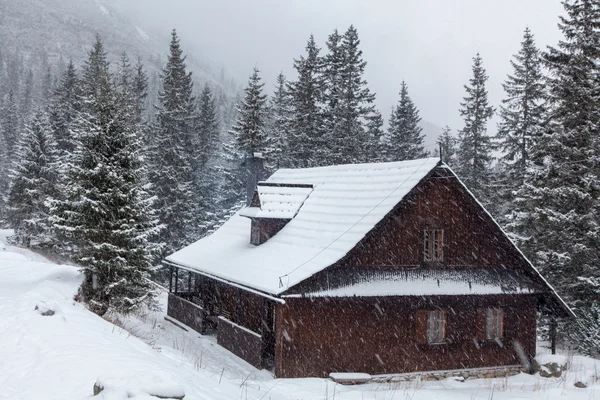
{"x": 475, "y": 146}
{"x": 65, "y": 103}
{"x": 172, "y": 156}
{"x": 447, "y": 146}
{"x": 10, "y": 122}
{"x": 333, "y": 64}
{"x": 140, "y": 91}
{"x": 404, "y": 139}
{"x": 306, "y": 143}
{"x": 4, "y": 178}
{"x": 375, "y": 150}
{"x": 279, "y": 124}
{"x": 107, "y": 216}
{"x": 208, "y": 127}
{"x": 34, "y": 181}
{"x": 249, "y": 129}
{"x": 355, "y": 107}
{"x": 522, "y": 111}
{"x": 558, "y": 222}
{"x": 208, "y": 141}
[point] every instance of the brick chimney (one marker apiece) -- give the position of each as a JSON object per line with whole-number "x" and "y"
{"x": 255, "y": 172}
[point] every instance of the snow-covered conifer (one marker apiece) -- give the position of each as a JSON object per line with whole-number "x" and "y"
{"x": 306, "y": 144}
{"x": 474, "y": 154}
{"x": 279, "y": 124}
{"x": 559, "y": 219}
{"x": 404, "y": 138}
{"x": 172, "y": 154}
{"x": 65, "y": 103}
{"x": 522, "y": 111}
{"x": 34, "y": 180}
{"x": 250, "y": 128}
{"x": 349, "y": 137}
{"x": 447, "y": 146}
{"x": 107, "y": 216}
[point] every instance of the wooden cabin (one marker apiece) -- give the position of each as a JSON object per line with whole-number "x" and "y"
{"x": 376, "y": 268}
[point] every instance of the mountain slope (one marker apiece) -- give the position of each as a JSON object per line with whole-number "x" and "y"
{"x": 66, "y": 29}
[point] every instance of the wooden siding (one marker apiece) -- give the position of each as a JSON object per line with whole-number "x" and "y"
{"x": 471, "y": 238}
{"x": 377, "y": 336}
{"x": 240, "y": 341}
{"x": 185, "y": 311}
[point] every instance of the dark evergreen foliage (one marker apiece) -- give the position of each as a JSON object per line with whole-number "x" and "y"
{"x": 306, "y": 143}
{"x": 107, "y": 215}
{"x": 558, "y": 220}
{"x": 172, "y": 155}
{"x": 474, "y": 154}
{"x": 34, "y": 181}
{"x": 250, "y": 128}
{"x": 404, "y": 138}
{"x": 522, "y": 111}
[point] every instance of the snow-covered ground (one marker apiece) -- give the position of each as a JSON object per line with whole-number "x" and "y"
{"x": 61, "y": 356}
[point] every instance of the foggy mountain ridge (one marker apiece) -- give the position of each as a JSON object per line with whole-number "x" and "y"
{"x": 66, "y": 29}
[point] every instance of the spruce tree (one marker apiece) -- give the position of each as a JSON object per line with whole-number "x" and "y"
{"x": 279, "y": 124}
{"x": 65, "y": 103}
{"x": 4, "y": 178}
{"x": 558, "y": 221}
{"x": 173, "y": 153}
{"x": 447, "y": 146}
{"x": 34, "y": 180}
{"x": 208, "y": 127}
{"x": 522, "y": 111}
{"x": 9, "y": 119}
{"x": 208, "y": 142}
{"x": 375, "y": 149}
{"x": 305, "y": 139}
{"x": 404, "y": 139}
{"x": 350, "y": 134}
{"x": 474, "y": 154}
{"x": 250, "y": 128}
{"x": 107, "y": 215}
{"x": 333, "y": 64}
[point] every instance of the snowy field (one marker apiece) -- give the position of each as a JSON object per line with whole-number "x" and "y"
{"x": 61, "y": 356}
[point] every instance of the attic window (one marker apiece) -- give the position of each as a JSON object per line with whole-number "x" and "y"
{"x": 433, "y": 242}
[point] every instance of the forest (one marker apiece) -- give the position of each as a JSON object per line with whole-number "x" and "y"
{"x": 102, "y": 165}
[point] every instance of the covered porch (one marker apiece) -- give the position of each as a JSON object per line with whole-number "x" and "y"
{"x": 242, "y": 319}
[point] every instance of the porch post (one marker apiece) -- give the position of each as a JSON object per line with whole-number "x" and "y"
{"x": 171, "y": 279}
{"x": 553, "y": 334}
{"x": 176, "y": 279}
{"x": 190, "y": 283}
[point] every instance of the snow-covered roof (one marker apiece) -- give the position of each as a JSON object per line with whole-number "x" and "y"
{"x": 345, "y": 204}
{"x": 421, "y": 282}
{"x": 278, "y": 201}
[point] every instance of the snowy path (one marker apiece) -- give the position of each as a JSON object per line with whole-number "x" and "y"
{"x": 61, "y": 356}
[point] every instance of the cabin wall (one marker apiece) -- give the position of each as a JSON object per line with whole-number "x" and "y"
{"x": 378, "y": 335}
{"x": 471, "y": 239}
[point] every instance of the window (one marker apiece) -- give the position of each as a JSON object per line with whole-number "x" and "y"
{"x": 433, "y": 245}
{"x": 494, "y": 323}
{"x": 436, "y": 327}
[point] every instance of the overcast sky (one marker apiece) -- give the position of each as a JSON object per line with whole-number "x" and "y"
{"x": 428, "y": 43}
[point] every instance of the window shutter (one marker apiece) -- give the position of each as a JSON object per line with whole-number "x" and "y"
{"x": 421, "y": 327}
{"x": 481, "y": 324}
